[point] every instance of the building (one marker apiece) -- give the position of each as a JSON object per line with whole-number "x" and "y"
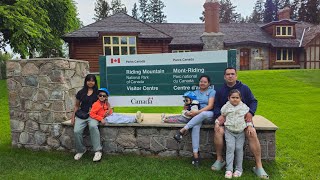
{"x": 279, "y": 44}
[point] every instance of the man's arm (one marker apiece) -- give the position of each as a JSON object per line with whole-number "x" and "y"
{"x": 252, "y": 103}
{"x": 217, "y": 104}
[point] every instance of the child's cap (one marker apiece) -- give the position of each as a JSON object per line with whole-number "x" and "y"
{"x": 190, "y": 94}
{"x": 104, "y": 90}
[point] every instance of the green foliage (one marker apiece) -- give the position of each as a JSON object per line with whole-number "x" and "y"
{"x": 24, "y": 26}
{"x": 156, "y": 11}
{"x": 144, "y": 12}
{"x": 289, "y": 98}
{"x": 102, "y": 9}
{"x": 117, "y": 6}
{"x": 62, "y": 19}
{"x": 257, "y": 14}
{"x": 31, "y": 26}
{"x": 269, "y": 11}
{"x": 227, "y": 13}
{"x": 3, "y": 58}
{"x": 134, "y": 12}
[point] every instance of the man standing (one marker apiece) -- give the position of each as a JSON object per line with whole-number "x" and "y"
{"x": 231, "y": 82}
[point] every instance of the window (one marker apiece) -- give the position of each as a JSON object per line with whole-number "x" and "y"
{"x": 180, "y": 51}
{"x": 284, "y": 31}
{"x": 284, "y": 55}
{"x": 119, "y": 45}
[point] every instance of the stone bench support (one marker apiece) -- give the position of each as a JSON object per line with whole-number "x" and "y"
{"x": 156, "y": 138}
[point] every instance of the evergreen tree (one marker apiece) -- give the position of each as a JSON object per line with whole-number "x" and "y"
{"x": 144, "y": 12}
{"x": 302, "y": 12}
{"x": 257, "y": 14}
{"x": 135, "y": 13}
{"x": 277, "y": 7}
{"x": 102, "y": 9}
{"x": 312, "y": 11}
{"x": 156, "y": 11}
{"x": 295, "y": 6}
{"x": 269, "y": 10}
{"x": 285, "y": 3}
{"x": 202, "y": 18}
{"x": 227, "y": 12}
{"x": 117, "y": 6}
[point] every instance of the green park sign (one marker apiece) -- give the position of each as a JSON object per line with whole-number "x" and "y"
{"x": 160, "y": 79}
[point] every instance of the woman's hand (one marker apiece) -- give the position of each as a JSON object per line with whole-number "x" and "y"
{"x": 193, "y": 113}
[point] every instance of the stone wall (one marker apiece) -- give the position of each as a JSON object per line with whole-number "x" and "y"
{"x": 41, "y": 96}
{"x": 159, "y": 141}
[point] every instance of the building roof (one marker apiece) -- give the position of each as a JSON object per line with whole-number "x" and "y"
{"x": 310, "y": 34}
{"x": 189, "y": 33}
{"x": 118, "y": 23}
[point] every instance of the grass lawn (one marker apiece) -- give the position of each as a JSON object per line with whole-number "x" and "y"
{"x": 289, "y": 98}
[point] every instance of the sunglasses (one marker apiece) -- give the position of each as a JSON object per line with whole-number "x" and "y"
{"x": 102, "y": 95}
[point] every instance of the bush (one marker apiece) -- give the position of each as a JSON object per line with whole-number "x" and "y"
{"x": 3, "y": 69}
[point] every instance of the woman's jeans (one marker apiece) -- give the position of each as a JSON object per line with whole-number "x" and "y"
{"x": 195, "y": 123}
{"x": 79, "y": 126}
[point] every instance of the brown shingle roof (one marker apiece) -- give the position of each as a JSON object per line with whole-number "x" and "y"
{"x": 188, "y": 33}
{"x": 310, "y": 34}
{"x": 120, "y": 23}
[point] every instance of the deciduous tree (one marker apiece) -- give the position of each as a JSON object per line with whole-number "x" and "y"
{"x": 30, "y": 26}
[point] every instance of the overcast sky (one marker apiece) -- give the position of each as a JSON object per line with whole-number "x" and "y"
{"x": 187, "y": 11}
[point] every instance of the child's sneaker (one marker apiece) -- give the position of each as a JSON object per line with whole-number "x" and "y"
{"x": 237, "y": 174}
{"x": 228, "y": 175}
{"x": 163, "y": 117}
{"x": 79, "y": 155}
{"x": 97, "y": 156}
{"x": 139, "y": 117}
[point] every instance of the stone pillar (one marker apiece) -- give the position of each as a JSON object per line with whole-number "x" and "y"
{"x": 41, "y": 96}
{"x": 212, "y": 38}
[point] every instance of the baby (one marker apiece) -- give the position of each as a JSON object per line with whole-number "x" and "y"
{"x": 190, "y": 104}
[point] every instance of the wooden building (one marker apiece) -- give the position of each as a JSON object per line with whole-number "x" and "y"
{"x": 279, "y": 44}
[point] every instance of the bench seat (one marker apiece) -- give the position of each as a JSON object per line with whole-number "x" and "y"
{"x": 153, "y": 137}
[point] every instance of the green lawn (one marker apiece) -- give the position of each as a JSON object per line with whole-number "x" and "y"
{"x": 289, "y": 98}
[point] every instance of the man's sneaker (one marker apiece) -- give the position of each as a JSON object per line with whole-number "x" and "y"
{"x": 79, "y": 155}
{"x": 139, "y": 117}
{"x": 163, "y": 117}
{"x": 97, "y": 156}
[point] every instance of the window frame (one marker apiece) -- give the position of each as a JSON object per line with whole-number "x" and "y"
{"x": 180, "y": 50}
{"x": 120, "y": 45}
{"x": 282, "y": 50}
{"x": 286, "y": 31}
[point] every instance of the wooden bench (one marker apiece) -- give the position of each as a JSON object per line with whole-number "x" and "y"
{"x": 154, "y": 137}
